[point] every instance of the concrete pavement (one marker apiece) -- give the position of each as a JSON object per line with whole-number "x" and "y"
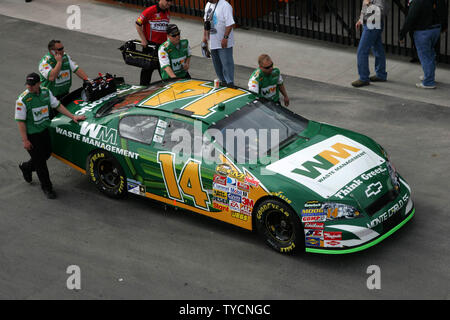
{"x": 136, "y": 249}
{"x": 295, "y": 56}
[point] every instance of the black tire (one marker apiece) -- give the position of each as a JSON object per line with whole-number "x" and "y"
{"x": 280, "y": 227}
{"x": 105, "y": 172}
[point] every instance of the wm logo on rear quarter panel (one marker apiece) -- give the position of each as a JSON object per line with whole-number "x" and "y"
{"x": 99, "y": 132}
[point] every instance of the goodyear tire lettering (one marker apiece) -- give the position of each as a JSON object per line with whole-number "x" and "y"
{"x": 105, "y": 172}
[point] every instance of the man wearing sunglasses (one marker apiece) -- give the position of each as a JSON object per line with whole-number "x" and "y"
{"x": 56, "y": 69}
{"x": 267, "y": 82}
{"x": 174, "y": 55}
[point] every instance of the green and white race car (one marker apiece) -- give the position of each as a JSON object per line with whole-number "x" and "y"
{"x": 221, "y": 152}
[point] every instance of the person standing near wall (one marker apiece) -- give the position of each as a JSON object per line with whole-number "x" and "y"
{"x": 427, "y": 19}
{"x": 218, "y": 28}
{"x": 371, "y": 19}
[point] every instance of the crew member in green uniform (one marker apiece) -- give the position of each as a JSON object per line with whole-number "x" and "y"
{"x": 32, "y": 116}
{"x": 174, "y": 55}
{"x": 267, "y": 82}
{"x": 56, "y": 69}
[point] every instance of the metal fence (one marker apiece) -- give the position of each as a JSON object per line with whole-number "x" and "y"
{"x": 328, "y": 20}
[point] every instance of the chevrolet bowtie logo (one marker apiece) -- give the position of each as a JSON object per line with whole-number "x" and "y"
{"x": 373, "y": 189}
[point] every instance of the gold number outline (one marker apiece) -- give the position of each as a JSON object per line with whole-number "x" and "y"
{"x": 213, "y": 108}
{"x": 208, "y": 200}
{"x": 197, "y": 97}
{"x": 178, "y": 179}
{"x": 174, "y": 174}
{"x": 169, "y": 86}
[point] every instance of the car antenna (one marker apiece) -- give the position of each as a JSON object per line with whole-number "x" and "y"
{"x": 159, "y": 99}
{"x": 173, "y": 92}
{"x": 216, "y": 88}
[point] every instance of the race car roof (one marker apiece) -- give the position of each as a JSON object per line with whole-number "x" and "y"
{"x": 198, "y": 99}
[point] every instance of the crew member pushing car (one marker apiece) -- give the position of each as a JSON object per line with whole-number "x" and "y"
{"x": 267, "y": 82}
{"x": 32, "y": 116}
{"x": 151, "y": 27}
{"x": 174, "y": 55}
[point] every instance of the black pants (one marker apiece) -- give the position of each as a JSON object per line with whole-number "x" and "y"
{"x": 40, "y": 152}
{"x": 146, "y": 74}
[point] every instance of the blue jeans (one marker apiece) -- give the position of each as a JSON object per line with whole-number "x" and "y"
{"x": 371, "y": 39}
{"x": 425, "y": 41}
{"x": 223, "y": 64}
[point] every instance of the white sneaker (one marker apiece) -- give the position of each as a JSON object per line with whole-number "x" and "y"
{"x": 421, "y": 86}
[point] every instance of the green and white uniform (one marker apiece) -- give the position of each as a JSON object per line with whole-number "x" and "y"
{"x": 174, "y": 57}
{"x": 33, "y": 109}
{"x": 61, "y": 85}
{"x": 266, "y": 86}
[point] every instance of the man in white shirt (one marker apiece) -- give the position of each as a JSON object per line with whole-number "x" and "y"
{"x": 218, "y": 29}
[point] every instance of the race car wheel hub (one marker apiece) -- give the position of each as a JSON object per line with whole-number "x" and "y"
{"x": 279, "y": 226}
{"x": 108, "y": 174}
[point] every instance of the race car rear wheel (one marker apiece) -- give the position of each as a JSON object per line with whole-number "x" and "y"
{"x": 105, "y": 172}
{"x": 279, "y": 226}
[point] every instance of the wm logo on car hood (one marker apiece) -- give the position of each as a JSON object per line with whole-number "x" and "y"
{"x": 328, "y": 165}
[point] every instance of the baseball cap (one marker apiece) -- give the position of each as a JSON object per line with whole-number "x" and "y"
{"x": 172, "y": 29}
{"x": 32, "y": 79}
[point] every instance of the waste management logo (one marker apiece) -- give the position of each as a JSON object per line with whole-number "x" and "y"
{"x": 328, "y": 165}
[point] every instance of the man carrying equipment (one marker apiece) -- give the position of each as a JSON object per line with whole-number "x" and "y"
{"x": 151, "y": 27}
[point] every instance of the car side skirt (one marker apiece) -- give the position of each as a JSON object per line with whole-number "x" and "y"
{"x": 69, "y": 163}
{"x": 215, "y": 215}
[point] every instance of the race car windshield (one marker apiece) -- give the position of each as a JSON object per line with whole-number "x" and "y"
{"x": 256, "y": 129}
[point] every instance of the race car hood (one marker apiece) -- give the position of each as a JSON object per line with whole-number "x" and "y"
{"x": 333, "y": 164}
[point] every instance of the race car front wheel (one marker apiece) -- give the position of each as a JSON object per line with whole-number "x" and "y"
{"x": 279, "y": 226}
{"x": 105, "y": 172}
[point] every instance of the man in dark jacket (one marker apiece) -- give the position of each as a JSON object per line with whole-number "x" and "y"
{"x": 427, "y": 19}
